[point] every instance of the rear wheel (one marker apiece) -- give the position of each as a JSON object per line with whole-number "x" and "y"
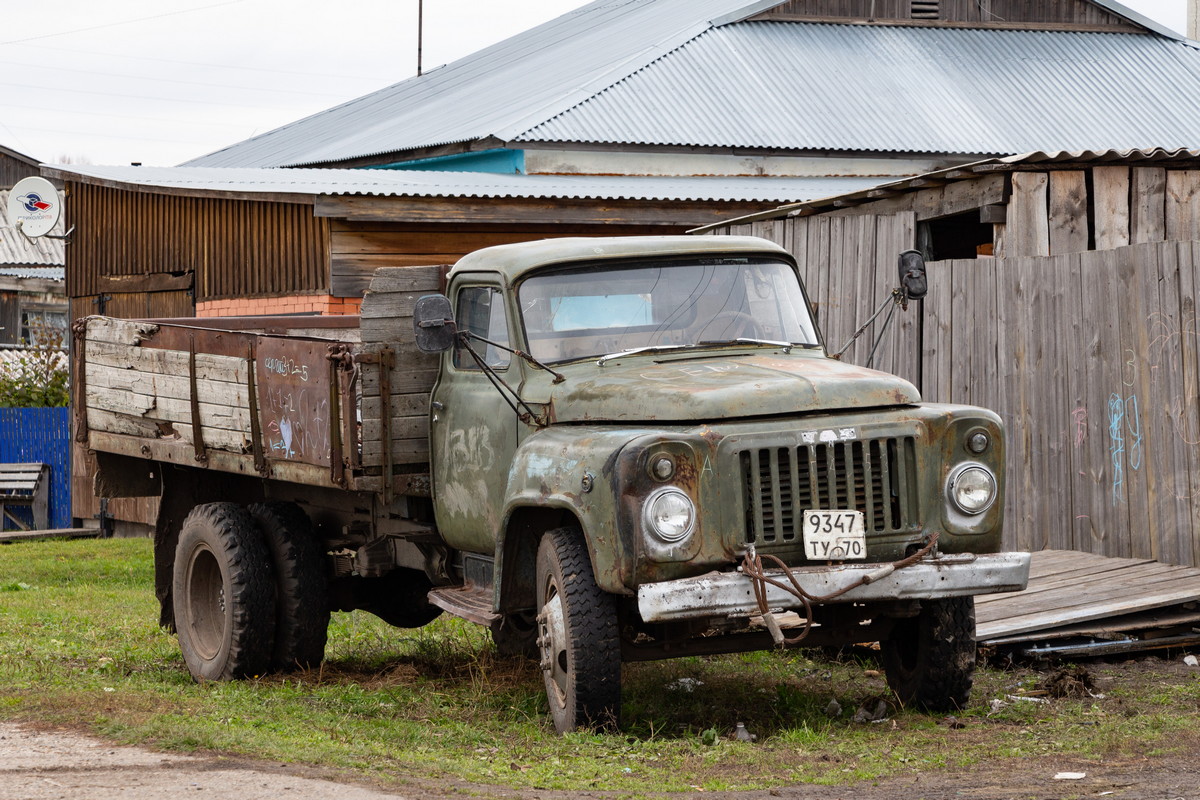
{"x": 223, "y": 594}
{"x": 301, "y": 596}
{"x": 577, "y": 636}
{"x": 929, "y": 659}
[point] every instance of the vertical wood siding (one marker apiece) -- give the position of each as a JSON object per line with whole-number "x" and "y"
{"x": 848, "y": 265}
{"x": 234, "y": 248}
{"x": 1092, "y": 361}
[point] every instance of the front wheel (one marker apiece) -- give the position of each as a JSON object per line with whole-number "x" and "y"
{"x": 929, "y": 659}
{"x": 577, "y": 636}
{"x": 223, "y": 593}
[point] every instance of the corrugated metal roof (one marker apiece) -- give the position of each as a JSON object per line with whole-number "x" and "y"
{"x": 659, "y": 72}
{"x": 1180, "y": 159}
{"x": 497, "y": 92}
{"x": 900, "y": 89}
{"x": 400, "y": 183}
{"x": 44, "y": 273}
{"x": 18, "y": 249}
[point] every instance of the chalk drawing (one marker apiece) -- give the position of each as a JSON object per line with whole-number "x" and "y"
{"x": 1123, "y": 419}
{"x": 1080, "y": 417}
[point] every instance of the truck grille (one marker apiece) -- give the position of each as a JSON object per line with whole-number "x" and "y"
{"x": 876, "y": 477}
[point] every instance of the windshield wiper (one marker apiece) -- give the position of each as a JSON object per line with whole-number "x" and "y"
{"x": 652, "y": 348}
{"x": 787, "y": 346}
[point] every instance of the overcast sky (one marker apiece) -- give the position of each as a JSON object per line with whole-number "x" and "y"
{"x": 107, "y": 82}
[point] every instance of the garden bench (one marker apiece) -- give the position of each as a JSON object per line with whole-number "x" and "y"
{"x": 27, "y": 486}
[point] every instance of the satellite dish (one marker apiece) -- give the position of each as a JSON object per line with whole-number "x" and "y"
{"x": 34, "y": 207}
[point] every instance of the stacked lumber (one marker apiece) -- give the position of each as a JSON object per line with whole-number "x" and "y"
{"x": 1084, "y": 605}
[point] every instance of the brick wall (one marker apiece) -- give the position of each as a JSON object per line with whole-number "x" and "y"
{"x": 271, "y": 306}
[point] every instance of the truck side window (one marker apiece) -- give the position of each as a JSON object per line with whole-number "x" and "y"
{"x": 481, "y": 311}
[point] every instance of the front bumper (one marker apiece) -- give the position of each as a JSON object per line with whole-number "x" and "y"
{"x": 730, "y": 594}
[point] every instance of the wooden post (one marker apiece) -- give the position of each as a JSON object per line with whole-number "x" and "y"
{"x": 1028, "y": 216}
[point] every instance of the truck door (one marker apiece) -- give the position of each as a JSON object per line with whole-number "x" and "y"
{"x": 473, "y": 432}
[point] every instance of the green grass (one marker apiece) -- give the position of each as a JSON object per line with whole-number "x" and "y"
{"x": 79, "y": 646}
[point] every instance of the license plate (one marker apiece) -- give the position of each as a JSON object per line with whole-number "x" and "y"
{"x": 834, "y": 535}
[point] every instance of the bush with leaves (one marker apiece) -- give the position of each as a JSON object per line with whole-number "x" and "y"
{"x": 38, "y": 378}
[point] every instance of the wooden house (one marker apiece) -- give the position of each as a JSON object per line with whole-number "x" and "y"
{"x": 1062, "y": 295}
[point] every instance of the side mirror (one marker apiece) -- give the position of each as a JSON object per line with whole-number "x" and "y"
{"x": 913, "y": 282}
{"x": 433, "y": 323}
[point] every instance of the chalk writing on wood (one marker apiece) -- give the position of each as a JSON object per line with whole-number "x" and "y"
{"x": 1123, "y": 418}
{"x": 293, "y": 391}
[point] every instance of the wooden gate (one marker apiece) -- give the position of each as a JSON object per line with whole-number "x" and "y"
{"x": 1091, "y": 360}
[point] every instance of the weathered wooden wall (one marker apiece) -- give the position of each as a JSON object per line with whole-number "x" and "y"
{"x": 1092, "y": 361}
{"x": 1078, "y": 12}
{"x": 133, "y": 242}
{"x": 848, "y": 265}
{"x": 357, "y": 249}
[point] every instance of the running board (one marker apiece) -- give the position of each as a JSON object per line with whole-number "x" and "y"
{"x": 471, "y": 602}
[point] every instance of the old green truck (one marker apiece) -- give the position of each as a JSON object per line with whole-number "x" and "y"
{"x": 605, "y": 450}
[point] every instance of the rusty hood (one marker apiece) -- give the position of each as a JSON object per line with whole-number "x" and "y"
{"x": 665, "y": 389}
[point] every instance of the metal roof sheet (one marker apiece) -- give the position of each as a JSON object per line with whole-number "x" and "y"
{"x": 44, "y": 273}
{"x": 815, "y": 86}
{"x": 497, "y": 92}
{"x": 693, "y": 72}
{"x": 18, "y": 249}
{"x": 403, "y": 183}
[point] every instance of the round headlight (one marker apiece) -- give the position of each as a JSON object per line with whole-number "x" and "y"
{"x": 670, "y": 515}
{"x": 972, "y": 488}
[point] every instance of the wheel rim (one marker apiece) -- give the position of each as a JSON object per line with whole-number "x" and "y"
{"x": 552, "y": 641}
{"x": 206, "y": 606}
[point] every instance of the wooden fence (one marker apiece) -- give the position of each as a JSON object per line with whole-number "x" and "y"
{"x": 1091, "y": 359}
{"x": 849, "y": 268}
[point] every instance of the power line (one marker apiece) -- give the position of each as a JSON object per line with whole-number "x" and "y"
{"x": 181, "y": 82}
{"x": 165, "y": 121}
{"x": 117, "y": 24}
{"x": 92, "y": 92}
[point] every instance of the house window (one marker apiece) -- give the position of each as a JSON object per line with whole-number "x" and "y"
{"x": 43, "y": 326}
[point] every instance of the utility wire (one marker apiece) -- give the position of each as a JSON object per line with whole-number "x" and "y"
{"x": 117, "y": 24}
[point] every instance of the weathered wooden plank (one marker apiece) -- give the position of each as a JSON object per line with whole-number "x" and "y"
{"x": 1186, "y": 408}
{"x": 1104, "y": 531}
{"x": 402, "y": 380}
{"x": 101, "y": 378}
{"x": 215, "y": 438}
{"x": 1127, "y": 410}
{"x": 166, "y": 362}
{"x": 1147, "y": 217}
{"x": 168, "y": 410}
{"x": 1183, "y": 205}
{"x": 1028, "y": 232}
{"x": 400, "y": 405}
{"x": 404, "y": 451}
{"x": 118, "y": 331}
{"x": 1068, "y": 212}
{"x": 414, "y": 427}
{"x": 1171, "y": 484}
{"x": 1110, "y": 193}
{"x": 1074, "y": 334}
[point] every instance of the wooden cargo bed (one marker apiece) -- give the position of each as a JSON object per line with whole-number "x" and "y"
{"x": 328, "y": 401}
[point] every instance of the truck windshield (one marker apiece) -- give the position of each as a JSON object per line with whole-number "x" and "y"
{"x": 586, "y": 312}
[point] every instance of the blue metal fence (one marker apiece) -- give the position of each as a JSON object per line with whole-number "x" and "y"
{"x": 41, "y": 435}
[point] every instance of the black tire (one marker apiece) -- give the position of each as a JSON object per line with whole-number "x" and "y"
{"x": 577, "y": 636}
{"x": 224, "y": 594}
{"x": 301, "y": 591}
{"x": 929, "y": 660}
{"x": 516, "y": 635}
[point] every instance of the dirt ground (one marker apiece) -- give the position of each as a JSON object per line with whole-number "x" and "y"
{"x": 49, "y": 765}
